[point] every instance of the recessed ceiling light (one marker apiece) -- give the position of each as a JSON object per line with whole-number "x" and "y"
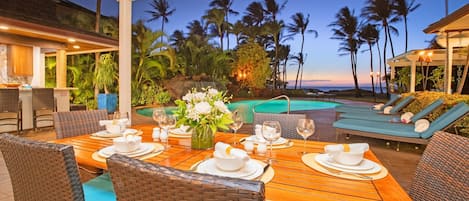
{"x": 4, "y": 27}
{"x": 76, "y": 46}
{"x": 71, "y": 40}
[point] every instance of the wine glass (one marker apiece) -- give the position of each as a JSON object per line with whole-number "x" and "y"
{"x": 305, "y": 128}
{"x": 158, "y": 114}
{"x": 237, "y": 123}
{"x": 167, "y": 121}
{"x": 271, "y": 131}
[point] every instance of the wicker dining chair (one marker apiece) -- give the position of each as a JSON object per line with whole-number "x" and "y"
{"x": 140, "y": 181}
{"x": 43, "y": 104}
{"x": 46, "y": 171}
{"x": 288, "y": 122}
{"x": 74, "y": 123}
{"x": 11, "y": 111}
{"x": 442, "y": 173}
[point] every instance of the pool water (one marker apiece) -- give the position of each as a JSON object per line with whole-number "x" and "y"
{"x": 278, "y": 106}
{"x": 274, "y": 106}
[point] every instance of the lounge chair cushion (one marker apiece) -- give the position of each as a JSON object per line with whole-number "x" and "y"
{"x": 404, "y": 130}
{"x": 395, "y": 129}
{"x": 387, "y": 118}
{"x": 99, "y": 188}
{"x": 350, "y": 108}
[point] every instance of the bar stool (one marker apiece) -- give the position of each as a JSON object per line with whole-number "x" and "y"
{"x": 44, "y": 104}
{"x": 11, "y": 111}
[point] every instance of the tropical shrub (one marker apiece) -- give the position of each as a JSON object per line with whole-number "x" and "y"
{"x": 251, "y": 60}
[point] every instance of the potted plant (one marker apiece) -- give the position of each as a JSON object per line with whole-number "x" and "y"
{"x": 105, "y": 79}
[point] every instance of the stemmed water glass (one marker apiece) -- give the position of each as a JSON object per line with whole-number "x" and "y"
{"x": 158, "y": 113}
{"x": 271, "y": 131}
{"x": 305, "y": 128}
{"x": 167, "y": 121}
{"x": 237, "y": 123}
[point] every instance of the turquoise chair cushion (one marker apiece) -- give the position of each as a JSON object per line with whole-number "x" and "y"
{"x": 391, "y": 118}
{"x": 404, "y": 130}
{"x": 427, "y": 110}
{"x": 362, "y": 108}
{"x": 402, "y": 104}
{"x": 395, "y": 129}
{"x": 370, "y": 116}
{"x": 99, "y": 189}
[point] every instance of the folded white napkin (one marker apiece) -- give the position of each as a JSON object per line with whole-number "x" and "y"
{"x": 387, "y": 110}
{"x": 229, "y": 151}
{"x": 406, "y": 117}
{"x": 378, "y": 106}
{"x": 421, "y": 125}
{"x": 354, "y": 147}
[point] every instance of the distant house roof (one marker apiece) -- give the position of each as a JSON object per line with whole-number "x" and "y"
{"x": 30, "y": 21}
{"x": 456, "y": 21}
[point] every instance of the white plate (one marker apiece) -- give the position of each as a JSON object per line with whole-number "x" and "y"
{"x": 251, "y": 170}
{"x": 144, "y": 148}
{"x": 364, "y": 165}
{"x": 179, "y": 131}
{"x": 111, "y": 135}
{"x": 280, "y": 141}
{"x": 324, "y": 160}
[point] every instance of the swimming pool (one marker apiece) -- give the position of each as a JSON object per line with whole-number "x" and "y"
{"x": 274, "y": 106}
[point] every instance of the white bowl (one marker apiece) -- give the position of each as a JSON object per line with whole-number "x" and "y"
{"x": 130, "y": 144}
{"x": 347, "y": 158}
{"x": 115, "y": 128}
{"x": 227, "y": 163}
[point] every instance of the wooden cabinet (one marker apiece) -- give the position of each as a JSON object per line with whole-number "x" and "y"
{"x": 20, "y": 60}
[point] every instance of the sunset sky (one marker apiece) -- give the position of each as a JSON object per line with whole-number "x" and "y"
{"x": 323, "y": 66}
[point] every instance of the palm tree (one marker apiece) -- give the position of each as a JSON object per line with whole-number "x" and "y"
{"x": 369, "y": 34}
{"x": 284, "y": 55}
{"x": 161, "y": 10}
{"x": 216, "y": 18}
{"x": 381, "y": 11}
{"x": 272, "y": 8}
{"x": 300, "y": 25}
{"x": 403, "y": 8}
{"x": 225, "y": 5}
{"x": 345, "y": 28}
{"x": 237, "y": 30}
{"x": 274, "y": 30}
{"x": 254, "y": 14}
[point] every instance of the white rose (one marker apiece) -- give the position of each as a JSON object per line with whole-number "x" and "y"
{"x": 187, "y": 97}
{"x": 221, "y": 106}
{"x": 199, "y": 96}
{"x": 202, "y": 108}
{"x": 212, "y": 92}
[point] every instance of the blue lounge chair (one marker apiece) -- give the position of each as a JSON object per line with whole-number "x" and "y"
{"x": 351, "y": 108}
{"x": 399, "y": 132}
{"x": 390, "y": 118}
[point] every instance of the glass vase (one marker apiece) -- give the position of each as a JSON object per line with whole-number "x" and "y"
{"x": 202, "y": 137}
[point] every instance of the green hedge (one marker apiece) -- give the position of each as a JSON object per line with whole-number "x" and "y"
{"x": 422, "y": 99}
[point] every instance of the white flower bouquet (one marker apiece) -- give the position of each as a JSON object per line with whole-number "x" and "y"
{"x": 205, "y": 112}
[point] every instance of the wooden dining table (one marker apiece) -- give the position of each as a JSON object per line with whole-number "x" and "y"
{"x": 293, "y": 180}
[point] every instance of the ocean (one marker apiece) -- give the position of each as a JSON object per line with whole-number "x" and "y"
{"x": 337, "y": 88}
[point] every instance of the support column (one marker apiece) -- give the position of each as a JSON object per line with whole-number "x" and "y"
{"x": 61, "y": 69}
{"x": 38, "y": 68}
{"x": 125, "y": 40}
{"x": 392, "y": 75}
{"x": 449, "y": 68}
{"x": 412, "y": 76}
